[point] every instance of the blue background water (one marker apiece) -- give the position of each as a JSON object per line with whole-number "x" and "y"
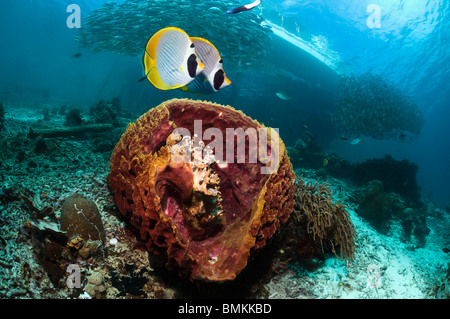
{"x": 411, "y": 49}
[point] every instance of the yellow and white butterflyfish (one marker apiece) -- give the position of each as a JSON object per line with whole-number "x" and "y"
{"x": 213, "y": 77}
{"x": 169, "y": 59}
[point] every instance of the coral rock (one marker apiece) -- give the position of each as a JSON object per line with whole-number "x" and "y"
{"x": 80, "y": 216}
{"x": 200, "y": 212}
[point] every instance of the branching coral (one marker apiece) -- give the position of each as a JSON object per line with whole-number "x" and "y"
{"x": 321, "y": 221}
{"x": 199, "y": 211}
{"x": 369, "y": 105}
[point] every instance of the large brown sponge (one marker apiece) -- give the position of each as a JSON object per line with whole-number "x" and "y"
{"x": 205, "y": 218}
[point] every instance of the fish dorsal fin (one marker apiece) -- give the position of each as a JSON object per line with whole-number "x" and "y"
{"x": 206, "y": 52}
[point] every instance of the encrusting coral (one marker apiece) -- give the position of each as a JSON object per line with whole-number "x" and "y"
{"x": 200, "y": 213}
{"x": 321, "y": 222}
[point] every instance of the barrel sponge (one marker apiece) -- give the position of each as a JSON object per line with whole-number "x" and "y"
{"x": 80, "y": 217}
{"x": 204, "y": 217}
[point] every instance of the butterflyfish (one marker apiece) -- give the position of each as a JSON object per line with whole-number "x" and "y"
{"x": 244, "y": 7}
{"x": 169, "y": 59}
{"x": 213, "y": 77}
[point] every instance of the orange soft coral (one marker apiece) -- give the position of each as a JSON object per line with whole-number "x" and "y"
{"x": 204, "y": 214}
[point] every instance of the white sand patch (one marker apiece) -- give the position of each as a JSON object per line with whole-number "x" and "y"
{"x": 384, "y": 267}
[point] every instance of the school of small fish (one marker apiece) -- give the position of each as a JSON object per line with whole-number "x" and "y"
{"x": 124, "y": 28}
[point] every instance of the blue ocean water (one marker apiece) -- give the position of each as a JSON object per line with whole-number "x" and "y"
{"x": 410, "y": 49}
{"x": 317, "y": 42}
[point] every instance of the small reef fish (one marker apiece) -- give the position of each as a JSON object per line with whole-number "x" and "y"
{"x": 355, "y": 141}
{"x": 170, "y": 61}
{"x": 213, "y": 77}
{"x": 244, "y": 7}
{"x": 284, "y": 96}
{"x": 215, "y": 10}
{"x": 76, "y": 55}
{"x": 325, "y": 162}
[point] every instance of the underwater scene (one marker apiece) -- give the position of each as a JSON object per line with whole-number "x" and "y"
{"x": 239, "y": 149}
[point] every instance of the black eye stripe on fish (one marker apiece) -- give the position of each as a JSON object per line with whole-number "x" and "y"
{"x": 218, "y": 79}
{"x": 192, "y": 65}
{"x": 192, "y": 45}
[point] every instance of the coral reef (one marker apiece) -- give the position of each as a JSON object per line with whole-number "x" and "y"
{"x": 200, "y": 213}
{"x": 73, "y": 117}
{"x": 442, "y": 291}
{"x": 33, "y": 249}
{"x": 307, "y": 153}
{"x": 95, "y": 286}
{"x": 2, "y": 116}
{"x": 321, "y": 223}
{"x": 369, "y": 105}
{"x": 80, "y": 217}
{"x": 51, "y": 249}
{"x": 123, "y": 28}
{"x": 397, "y": 176}
{"x": 380, "y": 208}
{"x": 34, "y": 184}
{"x": 106, "y": 112}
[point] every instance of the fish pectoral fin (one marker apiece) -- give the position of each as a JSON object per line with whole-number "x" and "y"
{"x": 184, "y": 88}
